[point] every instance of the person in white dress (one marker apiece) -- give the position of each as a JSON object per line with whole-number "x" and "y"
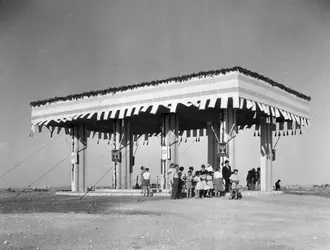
{"x": 218, "y": 182}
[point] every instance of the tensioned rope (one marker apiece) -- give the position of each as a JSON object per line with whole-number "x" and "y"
{"x": 187, "y": 148}
{"x": 56, "y": 165}
{"x": 107, "y": 171}
{"x": 28, "y": 157}
{"x": 43, "y": 175}
{"x": 51, "y": 169}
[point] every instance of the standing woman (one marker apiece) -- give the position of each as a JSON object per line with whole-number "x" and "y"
{"x": 175, "y": 182}
{"x": 209, "y": 182}
{"x": 218, "y": 182}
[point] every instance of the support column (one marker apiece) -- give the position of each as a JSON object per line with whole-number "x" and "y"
{"x": 266, "y": 162}
{"x": 163, "y": 171}
{"x": 212, "y": 146}
{"x": 170, "y": 131}
{"x": 126, "y": 146}
{"x": 229, "y": 125}
{"x": 78, "y": 160}
{"x": 116, "y": 146}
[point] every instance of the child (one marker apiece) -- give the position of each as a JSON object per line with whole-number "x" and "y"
{"x": 146, "y": 178}
{"x": 234, "y": 179}
{"x": 206, "y": 187}
{"x": 209, "y": 183}
{"x": 218, "y": 183}
{"x": 189, "y": 184}
{"x": 199, "y": 185}
{"x": 278, "y": 185}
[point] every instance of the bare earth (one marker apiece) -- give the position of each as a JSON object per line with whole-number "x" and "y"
{"x": 275, "y": 222}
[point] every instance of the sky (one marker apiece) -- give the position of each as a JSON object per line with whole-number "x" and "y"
{"x": 54, "y": 48}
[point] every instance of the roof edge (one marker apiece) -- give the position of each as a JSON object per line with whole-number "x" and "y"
{"x": 184, "y": 78}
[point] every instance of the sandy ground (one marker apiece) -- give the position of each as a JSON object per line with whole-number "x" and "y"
{"x": 274, "y": 222}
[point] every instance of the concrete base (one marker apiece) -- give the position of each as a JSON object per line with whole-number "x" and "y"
{"x": 137, "y": 192}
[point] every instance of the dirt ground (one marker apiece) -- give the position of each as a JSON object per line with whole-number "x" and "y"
{"x": 274, "y": 222}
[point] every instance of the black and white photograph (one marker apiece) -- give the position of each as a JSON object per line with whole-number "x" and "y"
{"x": 164, "y": 124}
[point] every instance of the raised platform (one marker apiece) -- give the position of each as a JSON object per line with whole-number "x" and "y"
{"x": 137, "y": 192}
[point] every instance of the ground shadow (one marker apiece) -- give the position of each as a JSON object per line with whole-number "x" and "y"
{"x": 36, "y": 203}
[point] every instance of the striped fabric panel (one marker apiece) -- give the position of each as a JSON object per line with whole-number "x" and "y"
{"x": 224, "y": 102}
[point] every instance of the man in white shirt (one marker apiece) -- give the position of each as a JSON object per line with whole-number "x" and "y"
{"x": 170, "y": 177}
{"x": 142, "y": 182}
{"x": 146, "y": 179}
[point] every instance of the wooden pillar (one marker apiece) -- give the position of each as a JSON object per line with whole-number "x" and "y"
{"x": 126, "y": 146}
{"x": 266, "y": 163}
{"x": 229, "y": 126}
{"x": 79, "y": 161}
{"x": 170, "y": 131}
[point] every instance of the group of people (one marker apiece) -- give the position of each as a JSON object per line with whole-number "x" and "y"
{"x": 203, "y": 183}
{"x": 253, "y": 179}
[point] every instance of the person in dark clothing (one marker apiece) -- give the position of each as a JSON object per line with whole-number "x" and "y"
{"x": 175, "y": 182}
{"x": 226, "y": 173}
{"x": 203, "y": 171}
{"x": 249, "y": 179}
{"x": 253, "y": 179}
{"x": 278, "y": 186}
{"x": 179, "y": 193}
{"x": 258, "y": 178}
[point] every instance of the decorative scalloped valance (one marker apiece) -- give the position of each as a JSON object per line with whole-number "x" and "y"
{"x": 295, "y": 121}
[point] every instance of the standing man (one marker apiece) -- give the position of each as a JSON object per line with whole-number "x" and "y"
{"x": 226, "y": 173}
{"x": 175, "y": 182}
{"x": 253, "y": 179}
{"x": 181, "y": 183}
{"x": 248, "y": 179}
{"x": 169, "y": 177}
{"x": 141, "y": 176}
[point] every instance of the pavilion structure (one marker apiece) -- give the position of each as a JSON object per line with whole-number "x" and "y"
{"x": 175, "y": 109}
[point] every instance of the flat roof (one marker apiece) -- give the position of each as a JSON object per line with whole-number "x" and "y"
{"x": 184, "y": 78}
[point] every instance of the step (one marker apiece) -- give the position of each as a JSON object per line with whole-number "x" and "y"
{"x": 111, "y": 192}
